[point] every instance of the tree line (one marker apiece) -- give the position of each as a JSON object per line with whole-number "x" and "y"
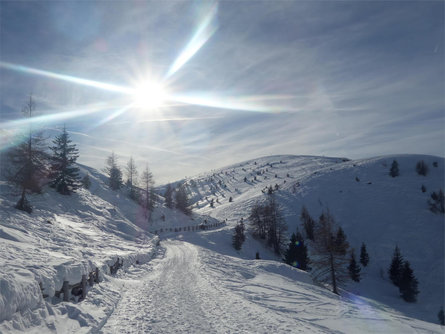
{"x": 321, "y": 248}
{"x": 32, "y": 165}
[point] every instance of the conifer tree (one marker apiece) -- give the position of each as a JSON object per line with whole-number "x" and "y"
{"x": 364, "y": 257}
{"x": 64, "y": 175}
{"x": 340, "y": 241}
{"x": 296, "y": 253}
{"x": 394, "y": 171}
{"x": 354, "y": 268}
{"x": 437, "y": 202}
{"x": 28, "y": 161}
{"x": 114, "y": 172}
{"x": 441, "y": 316}
{"x": 182, "y": 202}
{"x": 238, "y": 236}
{"x": 422, "y": 168}
{"x": 308, "y": 223}
{"x": 86, "y": 182}
{"x": 396, "y": 267}
{"x": 408, "y": 284}
{"x": 168, "y": 195}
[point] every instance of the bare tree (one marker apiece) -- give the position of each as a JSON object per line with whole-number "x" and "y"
{"x": 329, "y": 253}
{"x": 132, "y": 174}
{"x": 147, "y": 200}
{"x": 28, "y": 161}
{"x": 268, "y": 223}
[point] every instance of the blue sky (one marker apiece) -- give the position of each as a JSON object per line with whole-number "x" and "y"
{"x": 341, "y": 78}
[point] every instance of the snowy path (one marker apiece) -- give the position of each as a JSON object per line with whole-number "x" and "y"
{"x": 194, "y": 290}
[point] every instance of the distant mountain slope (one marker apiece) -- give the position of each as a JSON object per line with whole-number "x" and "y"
{"x": 371, "y": 206}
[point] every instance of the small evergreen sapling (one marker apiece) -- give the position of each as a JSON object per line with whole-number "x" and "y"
{"x": 86, "y": 182}
{"x": 364, "y": 256}
{"x": 422, "y": 168}
{"x": 437, "y": 202}
{"x": 441, "y": 317}
{"x": 354, "y": 268}
{"x": 394, "y": 171}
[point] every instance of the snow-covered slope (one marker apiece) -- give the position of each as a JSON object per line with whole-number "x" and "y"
{"x": 64, "y": 238}
{"x": 371, "y": 206}
{"x": 198, "y": 282}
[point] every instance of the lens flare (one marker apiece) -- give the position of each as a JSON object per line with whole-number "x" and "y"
{"x": 68, "y": 78}
{"x": 207, "y": 27}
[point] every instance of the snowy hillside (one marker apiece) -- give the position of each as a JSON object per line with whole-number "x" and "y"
{"x": 195, "y": 281}
{"x": 371, "y": 206}
{"x": 64, "y": 238}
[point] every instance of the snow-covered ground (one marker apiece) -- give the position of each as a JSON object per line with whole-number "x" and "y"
{"x": 196, "y": 282}
{"x": 191, "y": 288}
{"x": 371, "y": 206}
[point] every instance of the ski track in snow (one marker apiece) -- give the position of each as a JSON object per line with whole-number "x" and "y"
{"x": 193, "y": 290}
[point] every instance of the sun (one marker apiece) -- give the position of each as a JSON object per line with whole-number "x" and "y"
{"x": 149, "y": 95}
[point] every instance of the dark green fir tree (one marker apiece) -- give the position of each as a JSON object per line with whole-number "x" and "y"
{"x": 394, "y": 171}
{"x": 296, "y": 253}
{"x": 408, "y": 284}
{"x": 64, "y": 174}
{"x": 396, "y": 267}
{"x": 364, "y": 256}
{"x": 354, "y": 268}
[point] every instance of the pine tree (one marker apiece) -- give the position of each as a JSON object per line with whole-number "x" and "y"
{"x": 308, "y": 223}
{"x": 114, "y": 172}
{"x": 364, "y": 257}
{"x": 86, "y": 182}
{"x": 422, "y": 168}
{"x": 437, "y": 202}
{"x": 147, "y": 200}
{"x": 64, "y": 175}
{"x": 396, "y": 267}
{"x": 168, "y": 196}
{"x": 340, "y": 241}
{"x": 408, "y": 284}
{"x": 394, "y": 171}
{"x": 354, "y": 268}
{"x": 238, "y": 236}
{"x": 328, "y": 258}
{"x": 132, "y": 174}
{"x": 441, "y": 316}
{"x": 296, "y": 253}
{"x": 182, "y": 202}
{"x": 28, "y": 162}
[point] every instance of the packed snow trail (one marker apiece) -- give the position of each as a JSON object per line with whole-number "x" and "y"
{"x": 179, "y": 297}
{"x": 191, "y": 289}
